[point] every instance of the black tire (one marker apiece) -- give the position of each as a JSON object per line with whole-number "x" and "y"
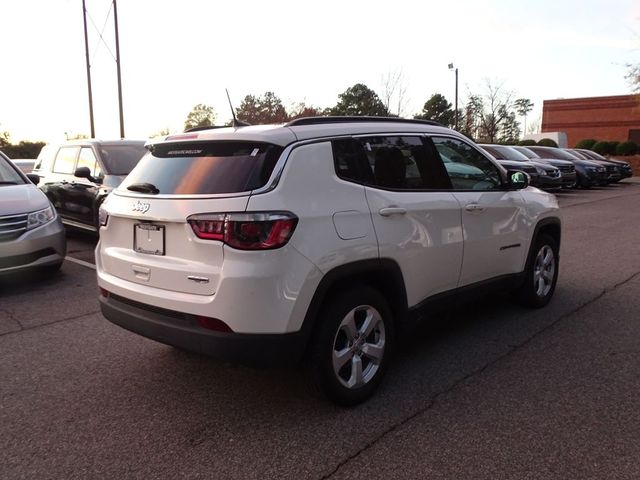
{"x": 370, "y": 348}
{"x": 538, "y": 288}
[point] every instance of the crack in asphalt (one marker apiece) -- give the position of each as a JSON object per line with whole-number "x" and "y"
{"x": 23, "y": 329}
{"x": 9, "y": 314}
{"x": 475, "y": 373}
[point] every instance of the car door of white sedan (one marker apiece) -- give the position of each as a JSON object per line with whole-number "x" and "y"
{"x": 494, "y": 219}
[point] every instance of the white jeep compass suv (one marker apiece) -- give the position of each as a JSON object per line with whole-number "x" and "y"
{"x": 317, "y": 239}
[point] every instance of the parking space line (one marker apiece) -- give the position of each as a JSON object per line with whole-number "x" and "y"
{"x": 81, "y": 262}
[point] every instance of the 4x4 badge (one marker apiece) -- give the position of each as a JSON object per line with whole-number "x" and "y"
{"x": 141, "y": 207}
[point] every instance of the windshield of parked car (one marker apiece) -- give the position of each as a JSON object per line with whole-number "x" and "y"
{"x": 526, "y": 152}
{"x": 120, "y": 159}
{"x": 205, "y": 167}
{"x": 503, "y": 152}
{"x": 8, "y": 174}
{"x": 556, "y": 153}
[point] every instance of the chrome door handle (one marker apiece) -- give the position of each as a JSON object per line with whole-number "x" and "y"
{"x": 388, "y": 211}
{"x": 474, "y": 207}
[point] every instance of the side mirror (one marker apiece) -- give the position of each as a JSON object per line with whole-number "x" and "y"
{"x": 33, "y": 178}
{"x": 83, "y": 172}
{"x": 517, "y": 179}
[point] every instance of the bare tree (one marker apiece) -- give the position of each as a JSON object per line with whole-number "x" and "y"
{"x": 394, "y": 92}
{"x": 497, "y": 106}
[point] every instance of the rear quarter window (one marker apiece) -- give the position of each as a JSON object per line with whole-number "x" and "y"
{"x": 206, "y": 167}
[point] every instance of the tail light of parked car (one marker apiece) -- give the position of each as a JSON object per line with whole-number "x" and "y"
{"x": 246, "y": 231}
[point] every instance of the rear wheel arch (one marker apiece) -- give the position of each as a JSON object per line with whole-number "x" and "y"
{"x": 383, "y": 275}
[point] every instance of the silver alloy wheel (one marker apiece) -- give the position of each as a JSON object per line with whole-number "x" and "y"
{"x": 358, "y": 346}
{"x": 544, "y": 270}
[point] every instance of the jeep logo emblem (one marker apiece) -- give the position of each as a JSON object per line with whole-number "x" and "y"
{"x": 141, "y": 207}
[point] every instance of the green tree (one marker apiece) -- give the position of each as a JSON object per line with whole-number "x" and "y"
{"x": 261, "y": 110}
{"x": 359, "y": 100}
{"x": 510, "y": 131}
{"x": 523, "y": 106}
{"x": 527, "y": 143}
{"x": 5, "y": 140}
{"x": 200, "y": 116}
{"x": 438, "y": 109}
{"x": 469, "y": 122}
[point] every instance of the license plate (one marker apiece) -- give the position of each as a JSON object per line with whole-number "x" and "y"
{"x": 148, "y": 238}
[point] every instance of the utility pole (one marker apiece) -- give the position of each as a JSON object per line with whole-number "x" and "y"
{"x": 456, "y": 110}
{"x": 86, "y": 49}
{"x": 115, "y": 19}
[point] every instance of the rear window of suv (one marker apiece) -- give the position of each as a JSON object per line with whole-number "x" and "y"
{"x": 206, "y": 167}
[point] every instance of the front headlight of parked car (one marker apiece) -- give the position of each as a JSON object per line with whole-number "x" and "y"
{"x": 41, "y": 217}
{"x": 591, "y": 169}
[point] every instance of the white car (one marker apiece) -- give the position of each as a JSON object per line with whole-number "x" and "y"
{"x": 316, "y": 239}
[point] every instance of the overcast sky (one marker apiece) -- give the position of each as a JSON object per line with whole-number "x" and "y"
{"x": 175, "y": 54}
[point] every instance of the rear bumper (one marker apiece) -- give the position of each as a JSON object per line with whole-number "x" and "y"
{"x": 183, "y": 331}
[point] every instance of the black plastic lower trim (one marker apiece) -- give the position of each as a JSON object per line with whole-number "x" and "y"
{"x": 182, "y": 331}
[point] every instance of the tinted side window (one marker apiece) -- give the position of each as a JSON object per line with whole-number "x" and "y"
{"x": 88, "y": 159}
{"x": 349, "y": 161}
{"x": 403, "y": 163}
{"x": 467, "y": 168}
{"x": 65, "y": 161}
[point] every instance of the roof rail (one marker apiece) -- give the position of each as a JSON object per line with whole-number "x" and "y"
{"x": 324, "y": 120}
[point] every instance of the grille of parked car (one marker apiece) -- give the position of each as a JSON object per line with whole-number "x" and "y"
{"x": 12, "y": 226}
{"x": 567, "y": 168}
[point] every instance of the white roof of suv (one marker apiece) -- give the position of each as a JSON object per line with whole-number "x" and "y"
{"x": 310, "y": 128}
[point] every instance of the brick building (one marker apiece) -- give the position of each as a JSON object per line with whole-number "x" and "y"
{"x": 602, "y": 118}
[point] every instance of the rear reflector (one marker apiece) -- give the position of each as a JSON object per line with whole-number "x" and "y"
{"x": 213, "y": 324}
{"x": 104, "y": 293}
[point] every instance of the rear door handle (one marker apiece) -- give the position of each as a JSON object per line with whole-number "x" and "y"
{"x": 474, "y": 207}
{"x": 388, "y": 211}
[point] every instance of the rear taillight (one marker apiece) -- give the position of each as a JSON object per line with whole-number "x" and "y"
{"x": 246, "y": 231}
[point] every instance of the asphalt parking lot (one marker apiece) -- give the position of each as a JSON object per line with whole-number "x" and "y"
{"x": 490, "y": 391}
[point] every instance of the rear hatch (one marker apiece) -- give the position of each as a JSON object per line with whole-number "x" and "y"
{"x": 148, "y": 239}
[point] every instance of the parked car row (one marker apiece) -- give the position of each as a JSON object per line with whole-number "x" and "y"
{"x": 74, "y": 179}
{"x": 575, "y": 167}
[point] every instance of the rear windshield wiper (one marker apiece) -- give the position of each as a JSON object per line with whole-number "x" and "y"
{"x": 143, "y": 188}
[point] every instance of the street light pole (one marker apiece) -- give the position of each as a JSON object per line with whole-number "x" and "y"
{"x": 456, "y": 101}
{"x": 115, "y": 19}
{"x": 86, "y": 49}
